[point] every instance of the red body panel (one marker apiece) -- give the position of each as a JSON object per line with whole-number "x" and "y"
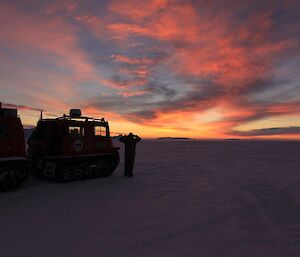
{"x": 69, "y": 137}
{"x": 12, "y": 137}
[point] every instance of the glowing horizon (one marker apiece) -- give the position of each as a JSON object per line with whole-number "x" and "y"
{"x": 157, "y": 68}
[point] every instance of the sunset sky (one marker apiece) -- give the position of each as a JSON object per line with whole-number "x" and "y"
{"x": 198, "y": 68}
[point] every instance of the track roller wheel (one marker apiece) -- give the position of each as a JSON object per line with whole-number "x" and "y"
{"x": 21, "y": 174}
{"x": 65, "y": 175}
{"x": 77, "y": 174}
{"x": 88, "y": 172}
{"x": 106, "y": 169}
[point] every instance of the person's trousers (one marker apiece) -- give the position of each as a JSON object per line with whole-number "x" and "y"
{"x": 129, "y": 162}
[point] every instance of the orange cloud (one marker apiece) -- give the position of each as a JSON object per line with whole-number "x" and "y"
{"x": 134, "y": 93}
{"x": 175, "y": 22}
{"x": 137, "y": 9}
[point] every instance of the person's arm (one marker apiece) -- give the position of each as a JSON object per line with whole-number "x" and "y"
{"x": 123, "y": 139}
{"x": 138, "y": 139}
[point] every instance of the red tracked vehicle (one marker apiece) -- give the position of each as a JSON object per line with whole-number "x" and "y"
{"x": 13, "y": 163}
{"x": 72, "y": 147}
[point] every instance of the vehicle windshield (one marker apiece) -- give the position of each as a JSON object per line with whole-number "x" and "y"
{"x": 100, "y": 131}
{"x": 76, "y": 131}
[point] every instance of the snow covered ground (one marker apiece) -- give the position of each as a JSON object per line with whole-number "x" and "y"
{"x": 195, "y": 198}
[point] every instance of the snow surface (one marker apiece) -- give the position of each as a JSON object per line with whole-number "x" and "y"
{"x": 195, "y": 198}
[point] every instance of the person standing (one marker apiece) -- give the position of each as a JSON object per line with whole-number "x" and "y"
{"x": 130, "y": 142}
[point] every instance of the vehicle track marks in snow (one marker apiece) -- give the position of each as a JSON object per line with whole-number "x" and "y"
{"x": 263, "y": 203}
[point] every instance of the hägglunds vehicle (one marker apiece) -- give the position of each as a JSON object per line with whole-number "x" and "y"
{"x": 13, "y": 162}
{"x": 72, "y": 147}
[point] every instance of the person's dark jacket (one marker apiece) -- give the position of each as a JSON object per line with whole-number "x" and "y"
{"x": 130, "y": 142}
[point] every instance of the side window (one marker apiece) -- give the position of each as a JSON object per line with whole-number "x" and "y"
{"x": 100, "y": 131}
{"x": 76, "y": 131}
{"x": 3, "y": 130}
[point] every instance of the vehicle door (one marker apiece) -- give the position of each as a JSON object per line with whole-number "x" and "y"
{"x": 101, "y": 138}
{"x": 78, "y": 143}
{"x": 5, "y": 139}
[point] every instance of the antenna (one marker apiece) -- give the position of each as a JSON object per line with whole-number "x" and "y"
{"x": 41, "y": 115}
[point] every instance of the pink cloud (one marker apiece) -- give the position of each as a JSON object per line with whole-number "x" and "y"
{"x": 63, "y": 5}
{"x": 30, "y": 33}
{"x": 132, "y": 60}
